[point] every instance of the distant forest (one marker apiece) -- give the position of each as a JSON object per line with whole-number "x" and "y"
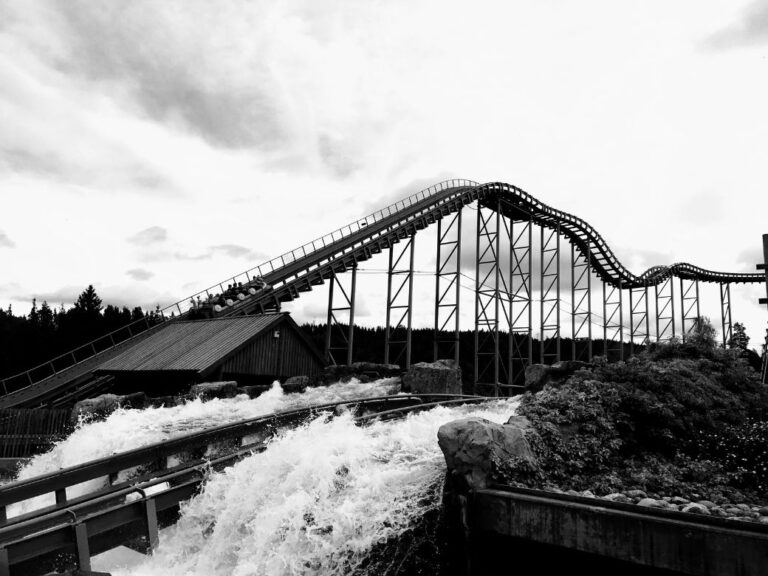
{"x": 45, "y": 332}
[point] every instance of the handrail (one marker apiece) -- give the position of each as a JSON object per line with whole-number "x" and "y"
{"x": 105, "y": 519}
{"x": 61, "y": 479}
{"x": 181, "y": 307}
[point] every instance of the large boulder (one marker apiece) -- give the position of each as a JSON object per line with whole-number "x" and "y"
{"x": 295, "y": 384}
{"x": 254, "y": 390}
{"x": 473, "y": 446}
{"x": 208, "y": 390}
{"x": 102, "y": 406}
{"x": 441, "y": 377}
{"x": 539, "y": 375}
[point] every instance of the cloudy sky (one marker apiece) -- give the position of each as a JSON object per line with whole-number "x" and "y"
{"x": 154, "y": 148}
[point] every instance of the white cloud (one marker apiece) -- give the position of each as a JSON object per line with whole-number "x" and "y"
{"x": 149, "y": 236}
{"x": 6, "y": 242}
{"x": 140, "y": 274}
{"x": 246, "y": 128}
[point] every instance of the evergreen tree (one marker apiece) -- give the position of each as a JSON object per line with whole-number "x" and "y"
{"x": 89, "y": 301}
{"x": 137, "y": 314}
{"x": 34, "y": 315}
{"x": 47, "y": 318}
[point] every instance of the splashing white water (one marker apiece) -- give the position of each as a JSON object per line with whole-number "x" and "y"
{"x": 126, "y": 429}
{"x": 315, "y": 502}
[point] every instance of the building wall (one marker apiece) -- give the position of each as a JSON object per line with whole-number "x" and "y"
{"x": 287, "y": 355}
{"x": 297, "y": 359}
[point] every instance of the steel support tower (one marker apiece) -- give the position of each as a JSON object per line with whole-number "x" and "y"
{"x": 447, "y": 288}
{"x": 489, "y": 370}
{"x": 581, "y": 302}
{"x": 550, "y": 295}
{"x": 725, "y": 312}
{"x": 613, "y": 322}
{"x": 397, "y": 334}
{"x": 639, "y": 317}
{"x": 665, "y": 310}
{"x": 689, "y": 304}
{"x": 340, "y": 327}
{"x": 521, "y": 300}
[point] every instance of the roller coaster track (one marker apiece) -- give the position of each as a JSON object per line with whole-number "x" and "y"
{"x": 299, "y": 270}
{"x": 119, "y": 511}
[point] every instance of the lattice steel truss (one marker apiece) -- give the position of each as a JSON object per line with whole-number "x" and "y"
{"x": 665, "y": 310}
{"x": 764, "y": 370}
{"x": 581, "y": 302}
{"x": 639, "y": 318}
{"x": 689, "y": 304}
{"x": 397, "y": 335}
{"x": 725, "y": 312}
{"x": 550, "y": 295}
{"x": 491, "y": 302}
{"x": 447, "y": 287}
{"x": 521, "y": 304}
{"x": 339, "y": 336}
{"x": 613, "y": 321}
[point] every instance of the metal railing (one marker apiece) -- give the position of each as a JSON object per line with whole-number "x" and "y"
{"x": 178, "y": 309}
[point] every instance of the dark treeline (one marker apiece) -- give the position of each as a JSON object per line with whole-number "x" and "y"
{"x": 45, "y": 332}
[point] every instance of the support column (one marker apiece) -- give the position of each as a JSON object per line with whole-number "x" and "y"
{"x": 487, "y": 281}
{"x": 689, "y": 304}
{"x": 613, "y": 321}
{"x": 550, "y": 295}
{"x": 639, "y": 319}
{"x": 725, "y": 312}
{"x": 665, "y": 310}
{"x": 447, "y": 287}
{"x": 339, "y": 335}
{"x": 397, "y": 334}
{"x": 581, "y": 302}
{"x": 521, "y": 301}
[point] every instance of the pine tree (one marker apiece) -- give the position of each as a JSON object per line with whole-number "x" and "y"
{"x": 47, "y": 319}
{"x": 89, "y": 301}
{"x": 34, "y": 315}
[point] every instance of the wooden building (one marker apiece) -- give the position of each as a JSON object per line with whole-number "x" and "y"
{"x": 249, "y": 349}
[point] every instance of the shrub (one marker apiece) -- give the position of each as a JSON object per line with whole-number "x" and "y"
{"x": 656, "y": 420}
{"x": 742, "y": 450}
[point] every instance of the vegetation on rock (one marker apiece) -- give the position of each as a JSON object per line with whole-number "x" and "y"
{"x": 682, "y": 417}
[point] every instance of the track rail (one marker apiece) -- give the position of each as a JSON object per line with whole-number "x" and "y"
{"x": 311, "y": 264}
{"x": 131, "y": 512}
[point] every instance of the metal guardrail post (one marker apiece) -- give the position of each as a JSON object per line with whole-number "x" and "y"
{"x": 83, "y": 549}
{"x": 5, "y": 566}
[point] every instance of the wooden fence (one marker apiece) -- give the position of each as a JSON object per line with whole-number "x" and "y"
{"x": 25, "y": 432}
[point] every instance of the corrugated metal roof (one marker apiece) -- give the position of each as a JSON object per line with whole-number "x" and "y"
{"x": 191, "y": 346}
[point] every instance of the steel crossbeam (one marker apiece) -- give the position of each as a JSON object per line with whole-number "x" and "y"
{"x": 665, "y": 310}
{"x": 639, "y": 318}
{"x": 550, "y": 294}
{"x": 339, "y": 335}
{"x": 689, "y": 304}
{"x": 447, "y": 286}
{"x": 521, "y": 303}
{"x": 725, "y": 312}
{"x": 581, "y": 302}
{"x": 613, "y": 322}
{"x": 397, "y": 333}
